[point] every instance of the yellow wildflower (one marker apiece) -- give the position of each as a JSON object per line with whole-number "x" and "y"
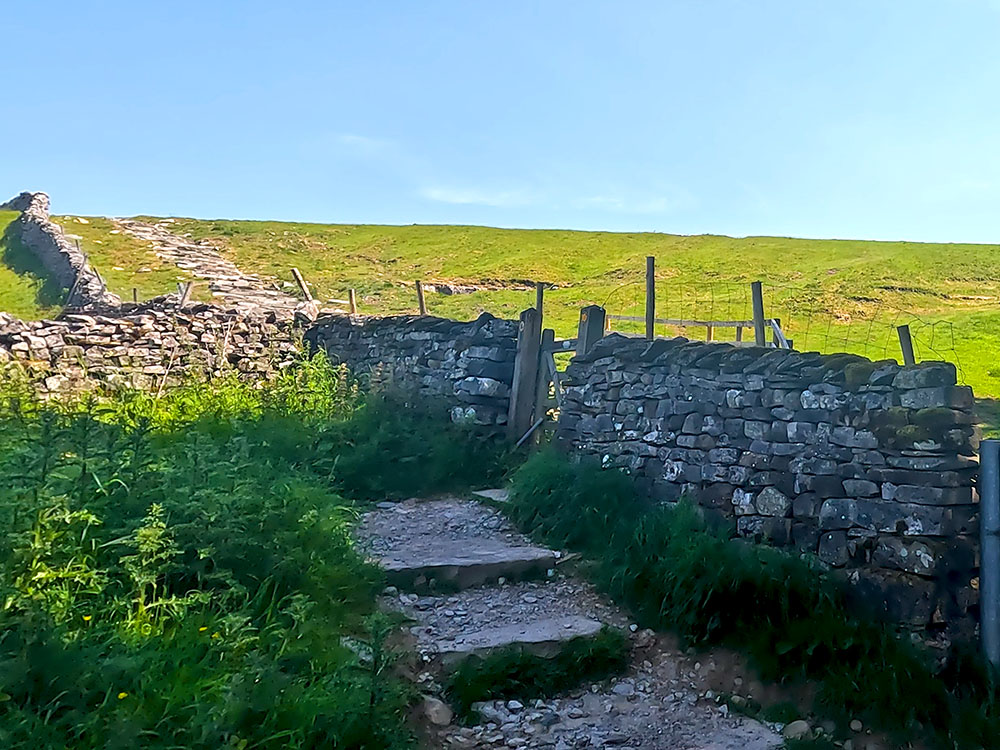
{"x": 87, "y": 618}
{"x": 202, "y": 629}
{"x": 122, "y": 696}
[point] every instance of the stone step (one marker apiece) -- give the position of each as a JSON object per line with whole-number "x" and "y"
{"x": 449, "y": 544}
{"x": 539, "y": 616}
{"x": 544, "y": 638}
{"x": 459, "y": 564}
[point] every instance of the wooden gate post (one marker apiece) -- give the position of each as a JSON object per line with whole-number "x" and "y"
{"x": 758, "y": 313}
{"x": 650, "y": 296}
{"x": 421, "y": 305}
{"x": 522, "y": 392}
{"x": 906, "y": 345}
{"x": 591, "y": 330}
{"x": 543, "y": 380}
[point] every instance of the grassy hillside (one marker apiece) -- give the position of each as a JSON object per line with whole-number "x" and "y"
{"x": 25, "y": 289}
{"x": 831, "y": 295}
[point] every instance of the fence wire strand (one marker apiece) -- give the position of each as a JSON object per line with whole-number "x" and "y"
{"x": 814, "y": 319}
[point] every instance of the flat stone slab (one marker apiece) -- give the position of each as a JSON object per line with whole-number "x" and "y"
{"x": 455, "y": 565}
{"x": 449, "y": 544}
{"x": 542, "y": 637}
{"x": 499, "y": 496}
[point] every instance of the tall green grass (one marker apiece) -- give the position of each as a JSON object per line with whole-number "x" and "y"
{"x": 787, "y": 614}
{"x": 180, "y": 572}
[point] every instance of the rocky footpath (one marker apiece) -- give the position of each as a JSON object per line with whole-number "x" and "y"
{"x": 233, "y": 288}
{"x": 868, "y": 465}
{"x": 664, "y": 701}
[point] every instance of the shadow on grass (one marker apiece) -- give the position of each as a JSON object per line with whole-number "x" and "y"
{"x": 988, "y": 413}
{"x": 50, "y": 293}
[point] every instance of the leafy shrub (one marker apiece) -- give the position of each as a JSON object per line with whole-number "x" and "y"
{"x": 178, "y": 571}
{"x": 789, "y": 615}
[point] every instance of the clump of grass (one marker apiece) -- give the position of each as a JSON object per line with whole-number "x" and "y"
{"x": 516, "y": 673}
{"x": 790, "y": 616}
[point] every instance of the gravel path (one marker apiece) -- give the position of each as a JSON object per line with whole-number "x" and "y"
{"x": 667, "y": 700}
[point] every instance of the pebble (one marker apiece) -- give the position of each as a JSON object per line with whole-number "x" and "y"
{"x": 796, "y": 730}
{"x": 856, "y": 725}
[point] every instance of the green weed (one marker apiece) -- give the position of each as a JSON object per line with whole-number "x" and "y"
{"x": 180, "y": 572}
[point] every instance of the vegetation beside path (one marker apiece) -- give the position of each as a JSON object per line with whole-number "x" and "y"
{"x": 788, "y": 615}
{"x": 179, "y": 571}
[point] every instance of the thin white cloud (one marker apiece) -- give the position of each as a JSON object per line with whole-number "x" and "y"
{"x": 363, "y": 144}
{"x": 477, "y": 197}
{"x": 634, "y": 202}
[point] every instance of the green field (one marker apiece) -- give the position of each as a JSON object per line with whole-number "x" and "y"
{"x": 831, "y": 295}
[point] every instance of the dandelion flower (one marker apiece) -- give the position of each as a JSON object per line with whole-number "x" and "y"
{"x": 202, "y": 629}
{"x": 122, "y": 696}
{"x": 87, "y": 618}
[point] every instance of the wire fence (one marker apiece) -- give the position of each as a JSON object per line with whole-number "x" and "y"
{"x": 812, "y": 318}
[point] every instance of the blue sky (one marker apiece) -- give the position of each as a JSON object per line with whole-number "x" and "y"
{"x": 855, "y": 118}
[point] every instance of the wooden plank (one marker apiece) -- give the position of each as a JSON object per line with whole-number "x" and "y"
{"x": 778, "y": 336}
{"x": 522, "y": 394}
{"x": 591, "y": 329}
{"x": 303, "y": 287}
{"x": 563, "y": 345}
{"x": 421, "y": 304}
{"x": 352, "y": 299}
{"x": 650, "y": 296}
{"x": 543, "y": 377}
{"x": 759, "y": 322}
{"x": 906, "y": 345}
{"x": 539, "y": 300}
{"x": 708, "y": 333}
{"x": 556, "y": 381}
{"x": 739, "y": 333}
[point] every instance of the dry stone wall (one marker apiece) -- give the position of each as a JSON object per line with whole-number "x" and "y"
{"x": 60, "y": 256}
{"x": 870, "y": 466}
{"x": 153, "y": 345}
{"x": 469, "y": 367}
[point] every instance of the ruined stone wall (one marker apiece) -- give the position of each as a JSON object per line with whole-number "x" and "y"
{"x": 467, "y": 366}
{"x": 867, "y": 465}
{"x": 60, "y": 256}
{"x": 149, "y": 346}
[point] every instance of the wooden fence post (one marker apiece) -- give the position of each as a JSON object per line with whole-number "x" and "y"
{"x": 758, "y": 313}
{"x": 421, "y": 305}
{"x": 135, "y": 295}
{"x": 650, "y": 295}
{"x": 352, "y": 299}
{"x": 184, "y": 290}
{"x": 522, "y": 391}
{"x": 303, "y": 287}
{"x": 906, "y": 344}
{"x": 539, "y": 299}
{"x": 591, "y": 330}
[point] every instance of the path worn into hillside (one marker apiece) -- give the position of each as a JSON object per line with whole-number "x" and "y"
{"x": 243, "y": 291}
{"x": 505, "y": 591}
